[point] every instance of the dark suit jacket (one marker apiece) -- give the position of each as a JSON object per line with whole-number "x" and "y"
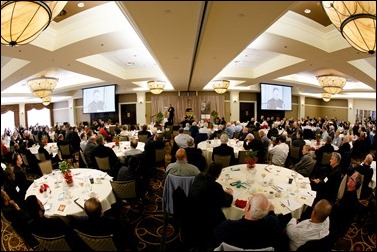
{"x": 195, "y": 157}
{"x": 256, "y": 145}
{"x": 104, "y": 151}
{"x": 42, "y": 150}
{"x": 329, "y": 189}
{"x": 224, "y": 150}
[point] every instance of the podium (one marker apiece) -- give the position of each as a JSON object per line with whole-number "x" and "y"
{"x": 189, "y": 115}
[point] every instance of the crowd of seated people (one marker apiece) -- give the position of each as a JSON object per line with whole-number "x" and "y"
{"x": 353, "y": 140}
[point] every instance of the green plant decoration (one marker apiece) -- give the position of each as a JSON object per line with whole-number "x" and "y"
{"x": 159, "y": 117}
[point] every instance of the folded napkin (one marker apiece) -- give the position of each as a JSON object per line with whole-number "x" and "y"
{"x": 240, "y": 203}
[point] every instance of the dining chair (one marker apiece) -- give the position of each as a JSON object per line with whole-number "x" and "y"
{"x": 103, "y": 163}
{"x": 98, "y": 242}
{"x": 127, "y": 194}
{"x": 143, "y": 138}
{"x": 124, "y": 138}
{"x": 57, "y": 243}
{"x": 24, "y": 159}
{"x": 294, "y": 154}
{"x": 227, "y": 247}
{"x": 65, "y": 151}
{"x": 241, "y": 156}
{"x": 82, "y": 156}
{"x": 160, "y": 157}
{"x": 41, "y": 157}
{"x": 223, "y": 160}
{"x": 45, "y": 166}
{"x": 326, "y": 158}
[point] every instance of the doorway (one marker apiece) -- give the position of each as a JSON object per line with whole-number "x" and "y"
{"x": 128, "y": 114}
{"x": 247, "y": 111}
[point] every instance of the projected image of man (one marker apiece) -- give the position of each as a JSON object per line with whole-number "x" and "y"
{"x": 275, "y": 102}
{"x": 97, "y": 105}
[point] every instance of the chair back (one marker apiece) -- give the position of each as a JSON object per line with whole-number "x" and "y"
{"x": 223, "y": 160}
{"x": 143, "y": 138}
{"x": 45, "y": 166}
{"x": 236, "y": 134}
{"x": 41, "y": 157}
{"x": 124, "y": 138}
{"x": 241, "y": 156}
{"x": 160, "y": 156}
{"x": 187, "y": 132}
{"x": 103, "y": 163}
{"x": 326, "y": 158}
{"x": 98, "y": 243}
{"x": 82, "y": 156}
{"x": 294, "y": 152}
{"x": 24, "y": 159}
{"x": 324, "y": 244}
{"x": 227, "y": 247}
{"x": 52, "y": 243}
{"x": 124, "y": 190}
{"x": 200, "y": 137}
{"x": 171, "y": 183}
{"x": 65, "y": 150}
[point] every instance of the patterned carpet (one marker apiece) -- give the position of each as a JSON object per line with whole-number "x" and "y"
{"x": 148, "y": 228}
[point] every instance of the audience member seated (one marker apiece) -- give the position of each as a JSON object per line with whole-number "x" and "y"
{"x": 299, "y": 142}
{"x": 48, "y": 156}
{"x": 130, "y": 171}
{"x": 18, "y": 218}
{"x": 133, "y": 148}
{"x": 366, "y": 170}
{"x": 279, "y": 151}
{"x": 182, "y": 138}
{"x": 48, "y": 227}
{"x": 346, "y": 209}
{"x": 10, "y": 186}
{"x": 103, "y": 151}
{"x": 255, "y": 145}
{"x": 194, "y": 129}
{"x": 195, "y": 155}
{"x": 89, "y": 148}
{"x": 205, "y": 130}
{"x": 144, "y": 131}
{"x": 31, "y": 158}
{"x": 205, "y": 200}
{"x": 306, "y": 164}
{"x": 224, "y": 150}
{"x": 327, "y": 147}
{"x": 345, "y": 151}
{"x": 315, "y": 228}
{"x": 327, "y": 183}
{"x": 181, "y": 167}
{"x": 20, "y": 180}
{"x": 243, "y": 133}
{"x": 258, "y": 228}
{"x": 97, "y": 223}
{"x": 361, "y": 147}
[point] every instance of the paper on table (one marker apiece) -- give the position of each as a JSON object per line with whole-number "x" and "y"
{"x": 305, "y": 200}
{"x": 307, "y": 193}
{"x": 281, "y": 208}
{"x": 61, "y": 209}
{"x": 291, "y": 203}
{"x": 236, "y": 193}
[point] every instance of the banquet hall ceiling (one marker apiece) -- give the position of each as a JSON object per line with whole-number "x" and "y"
{"x": 187, "y": 44}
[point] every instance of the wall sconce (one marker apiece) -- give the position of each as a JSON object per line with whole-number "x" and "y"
{"x": 141, "y": 102}
{"x": 235, "y": 101}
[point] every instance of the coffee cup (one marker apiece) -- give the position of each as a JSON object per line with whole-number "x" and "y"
{"x": 93, "y": 194}
{"x": 91, "y": 180}
{"x": 271, "y": 194}
{"x": 290, "y": 180}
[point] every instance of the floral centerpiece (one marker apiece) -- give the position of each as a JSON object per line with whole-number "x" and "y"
{"x": 318, "y": 138}
{"x": 251, "y": 158}
{"x": 116, "y": 139}
{"x": 65, "y": 168}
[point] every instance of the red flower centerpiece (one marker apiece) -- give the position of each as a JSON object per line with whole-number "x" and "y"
{"x": 251, "y": 158}
{"x": 64, "y": 167}
{"x": 318, "y": 139}
{"x": 116, "y": 140}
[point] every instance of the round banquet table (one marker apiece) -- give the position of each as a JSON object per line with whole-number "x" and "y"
{"x": 267, "y": 179}
{"x": 207, "y": 147}
{"x": 50, "y": 147}
{"x": 122, "y": 148}
{"x": 72, "y": 198}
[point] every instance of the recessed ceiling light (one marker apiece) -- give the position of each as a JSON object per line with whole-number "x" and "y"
{"x": 307, "y": 11}
{"x": 80, "y": 4}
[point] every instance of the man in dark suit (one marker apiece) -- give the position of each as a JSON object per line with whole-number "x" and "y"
{"x": 195, "y": 156}
{"x": 98, "y": 224}
{"x": 224, "y": 150}
{"x": 251, "y": 143}
{"x": 103, "y": 151}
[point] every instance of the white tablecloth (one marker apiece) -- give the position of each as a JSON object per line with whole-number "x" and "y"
{"x": 293, "y": 196}
{"x": 58, "y": 192}
{"x": 123, "y": 147}
{"x": 313, "y": 144}
{"x": 50, "y": 147}
{"x": 207, "y": 147}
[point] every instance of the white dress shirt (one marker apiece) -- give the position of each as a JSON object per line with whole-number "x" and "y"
{"x": 181, "y": 140}
{"x": 304, "y": 231}
{"x": 279, "y": 153}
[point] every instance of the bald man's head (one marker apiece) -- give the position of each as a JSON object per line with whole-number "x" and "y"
{"x": 180, "y": 154}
